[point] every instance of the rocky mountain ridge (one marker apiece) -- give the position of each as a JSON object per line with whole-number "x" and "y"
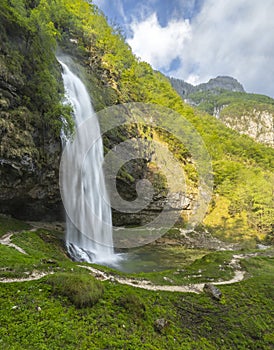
{"x": 219, "y": 83}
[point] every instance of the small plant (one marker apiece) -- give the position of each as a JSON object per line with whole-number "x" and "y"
{"x": 82, "y": 290}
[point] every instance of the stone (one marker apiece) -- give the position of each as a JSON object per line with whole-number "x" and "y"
{"x": 213, "y": 291}
{"x": 168, "y": 279}
{"x": 160, "y": 324}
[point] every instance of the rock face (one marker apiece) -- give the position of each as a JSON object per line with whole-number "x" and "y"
{"x": 29, "y": 157}
{"x": 183, "y": 88}
{"x": 221, "y": 82}
{"x": 178, "y": 201}
{"x": 29, "y": 174}
{"x": 257, "y": 124}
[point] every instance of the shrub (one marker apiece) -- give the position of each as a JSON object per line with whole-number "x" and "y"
{"x": 82, "y": 290}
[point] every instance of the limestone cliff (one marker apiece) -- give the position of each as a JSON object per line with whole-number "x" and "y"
{"x": 258, "y": 124}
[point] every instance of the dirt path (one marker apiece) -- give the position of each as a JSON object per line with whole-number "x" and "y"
{"x": 144, "y": 284}
{"x": 191, "y": 288}
{"x": 6, "y": 240}
{"x": 35, "y": 275}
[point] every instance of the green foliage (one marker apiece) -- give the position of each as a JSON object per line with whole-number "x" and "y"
{"x": 39, "y": 254}
{"x": 236, "y": 102}
{"x": 133, "y": 304}
{"x": 34, "y": 59}
{"x": 81, "y": 289}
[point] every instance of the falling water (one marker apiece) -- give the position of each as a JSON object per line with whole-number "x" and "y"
{"x": 89, "y": 233}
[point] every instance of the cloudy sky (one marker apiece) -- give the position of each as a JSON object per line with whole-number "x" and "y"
{"x": 196, "y": 40}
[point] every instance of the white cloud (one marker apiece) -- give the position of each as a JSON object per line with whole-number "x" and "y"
{"x": 159, "y": 45}
{"x": 234, "y": 38}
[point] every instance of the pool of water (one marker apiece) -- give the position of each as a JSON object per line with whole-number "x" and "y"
{"x": 154, "y": 258}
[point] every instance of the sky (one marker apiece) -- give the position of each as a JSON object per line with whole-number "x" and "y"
{"x": 196, "y": 40}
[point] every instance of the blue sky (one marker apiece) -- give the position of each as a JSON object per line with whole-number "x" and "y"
{"x": 196, "y": 40}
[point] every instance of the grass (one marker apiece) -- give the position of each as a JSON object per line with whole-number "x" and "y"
{"x": 69, "y": 309}
{"x": 41, "y": 254}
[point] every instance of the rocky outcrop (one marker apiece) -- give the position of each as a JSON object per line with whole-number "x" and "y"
{"x": 160, "y": 325}
{"x": 213, "y": 291}
{"x": 258, "y": 124}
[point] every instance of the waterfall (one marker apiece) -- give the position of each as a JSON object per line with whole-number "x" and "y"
{"x": 89, "y": 234}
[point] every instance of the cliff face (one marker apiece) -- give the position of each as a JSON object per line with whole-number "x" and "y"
{"x": 31, "y": 113}
{"x": 30, "y": 145}
{"x": 258, "y": 124}
{"x": 29, "y": 155}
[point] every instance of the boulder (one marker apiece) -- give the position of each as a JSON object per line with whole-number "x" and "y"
{"x": 213, "y": 291}
{"x": 160, "y": 324}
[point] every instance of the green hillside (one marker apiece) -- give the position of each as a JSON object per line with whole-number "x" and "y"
{"x": 208, "y": 100}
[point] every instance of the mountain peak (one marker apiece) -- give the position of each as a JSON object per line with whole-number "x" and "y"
{"x": 221, "y": 82}
{"x": 218, "y": 83}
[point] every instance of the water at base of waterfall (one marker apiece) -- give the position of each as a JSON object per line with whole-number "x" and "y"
{"x": 80, "y": 254}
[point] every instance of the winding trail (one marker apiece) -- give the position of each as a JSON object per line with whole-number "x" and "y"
{"x": 190, "y": 288}
{"x": 35, "y": 275}
{"x": 145, "y": 284}
{"x": 197, "y": 288}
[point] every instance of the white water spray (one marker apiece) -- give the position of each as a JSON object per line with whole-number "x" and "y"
{"x": 89, "y": 221}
